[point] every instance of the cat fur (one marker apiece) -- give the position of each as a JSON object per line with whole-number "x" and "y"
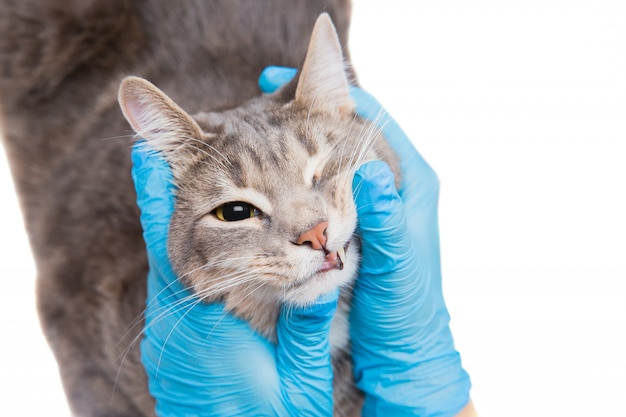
{"x": 61, "y": 63}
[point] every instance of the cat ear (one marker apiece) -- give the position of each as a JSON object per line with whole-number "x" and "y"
{"x": 323, "y": 84}
{"x": 155, "y": 117}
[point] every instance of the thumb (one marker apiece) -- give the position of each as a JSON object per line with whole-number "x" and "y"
{"x": 303, "y": 356}
{"x": 153, "y": 183}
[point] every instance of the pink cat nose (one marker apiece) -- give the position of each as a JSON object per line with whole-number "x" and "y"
{"x": 315, "y": 236}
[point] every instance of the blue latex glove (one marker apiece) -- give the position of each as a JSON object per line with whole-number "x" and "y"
{"x": 202, "y": 361}
{"x": 403, "y": 352}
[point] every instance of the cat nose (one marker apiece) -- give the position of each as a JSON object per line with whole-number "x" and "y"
{"x": 316, "y": 236}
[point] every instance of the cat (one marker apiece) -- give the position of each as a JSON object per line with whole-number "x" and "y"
{"x": 264, "y": 191}
{"x": 61, "y": 63}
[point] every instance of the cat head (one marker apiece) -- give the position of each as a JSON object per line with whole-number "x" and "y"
{"x": 264, "y": 203}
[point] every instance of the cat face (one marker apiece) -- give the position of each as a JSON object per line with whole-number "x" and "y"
{"x": 268, "y": 202}
{"x": 264, "y": 205}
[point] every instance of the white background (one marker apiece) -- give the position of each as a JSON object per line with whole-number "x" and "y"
{"x": 520, "y": 106}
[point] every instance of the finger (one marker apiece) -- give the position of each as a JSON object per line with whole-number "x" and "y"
{"x": 303, "y": 355}
{"x": 155, "y": 197}
{"x": 386, "y": 245}
{"x": 272, "y": 78}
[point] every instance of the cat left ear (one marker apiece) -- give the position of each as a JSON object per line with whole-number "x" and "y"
{"x": 323, "y": 84}
{"x": 155, "y": 117}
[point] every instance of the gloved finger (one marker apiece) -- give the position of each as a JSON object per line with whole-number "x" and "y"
{"x": 303, "y": 355}
{"x": 389, "y": 269}
{"x": 154, "y": 186}
{"x": 380, "y": 213}
{"x": 274, "y": 77}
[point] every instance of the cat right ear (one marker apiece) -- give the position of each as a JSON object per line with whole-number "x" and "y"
{"x": 155, "y": 117}
{"x": 323, "y": 84}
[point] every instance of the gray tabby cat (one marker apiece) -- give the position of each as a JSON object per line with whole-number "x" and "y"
{"x": 264, "y": 210}
{"x": 61, "y": 63}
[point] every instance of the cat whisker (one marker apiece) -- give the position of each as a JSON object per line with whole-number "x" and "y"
{"x": 358, "y": 151}
{"x": 184, "y": 304}
{"x": 133, "y": 342}
{"x": 140, "y": 318}
{"x": 308, "y": 119}
{"x": 169, "y": 309}
{"x": 203, "y": 295}
{"x": 258, "y": 286}
{"x": 187, "y": 303}
{"x": 367, "y": 141}
{"x": 169, "y": 335}
{"x": 156, "y": 297}
{"x": 221, "y": 162}
{"x": 372, "y": 133}
{"x": 129, "y": 136}
{"x": 221, "y": 154}
{"x": 343, "y": 143}
{"x": 233, "y": 279}
{"x": 368, "y": 134}
{"x": 230, "y": 259}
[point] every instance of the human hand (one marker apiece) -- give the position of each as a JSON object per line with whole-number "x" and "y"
{"x": 402, "y": 347}
{"x": 202, "y": 361}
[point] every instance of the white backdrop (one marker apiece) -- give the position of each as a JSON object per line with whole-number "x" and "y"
{"x": 520, "y": 107}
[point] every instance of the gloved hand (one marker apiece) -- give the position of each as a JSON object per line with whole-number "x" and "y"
{"x": 202, "y": 361}
{"x": 402, "y": 347}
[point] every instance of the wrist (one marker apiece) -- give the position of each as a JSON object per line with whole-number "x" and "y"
{"x": 468, "y": 411}
{"x": 437, "y": 387}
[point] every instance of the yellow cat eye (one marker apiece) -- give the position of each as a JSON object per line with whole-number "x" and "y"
{"x": 236, "y": 211}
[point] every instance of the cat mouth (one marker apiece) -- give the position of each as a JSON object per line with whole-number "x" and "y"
{"x": 334, "y": 260}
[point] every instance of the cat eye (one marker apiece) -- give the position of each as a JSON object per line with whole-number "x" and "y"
{"x": 236, "y": 211}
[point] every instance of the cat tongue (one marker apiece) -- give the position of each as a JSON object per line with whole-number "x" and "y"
{"x": 333, "y": 260}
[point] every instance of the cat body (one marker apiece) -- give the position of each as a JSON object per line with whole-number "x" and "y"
{"x": 60, "y": 68}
